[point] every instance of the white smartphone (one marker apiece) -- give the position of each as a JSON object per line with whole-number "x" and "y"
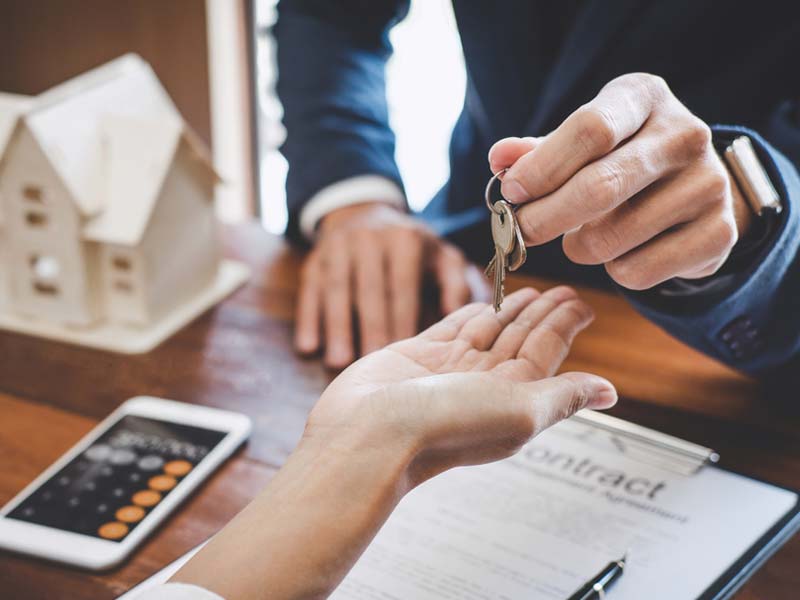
{"x": 96, "y": 503}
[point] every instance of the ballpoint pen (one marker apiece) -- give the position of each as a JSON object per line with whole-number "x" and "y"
{"x": 596, "y": 587}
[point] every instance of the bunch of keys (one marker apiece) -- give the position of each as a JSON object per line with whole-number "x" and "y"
{"x": 509, "y": 247}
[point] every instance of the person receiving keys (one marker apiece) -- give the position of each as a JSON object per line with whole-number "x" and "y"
{"x": 650, "y": 146}
{"x": 469, "y": 390}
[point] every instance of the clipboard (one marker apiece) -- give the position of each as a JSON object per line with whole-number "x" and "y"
{"x": 688, "y": 458}
{"x": 751, "y": 561}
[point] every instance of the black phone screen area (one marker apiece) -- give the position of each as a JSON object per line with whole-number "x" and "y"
{"x": 108, "y": 489}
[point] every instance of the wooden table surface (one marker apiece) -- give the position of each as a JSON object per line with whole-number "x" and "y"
{"x": 238, "y": 356}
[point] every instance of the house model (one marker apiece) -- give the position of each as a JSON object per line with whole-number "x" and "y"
{"x": 107, "y": 226}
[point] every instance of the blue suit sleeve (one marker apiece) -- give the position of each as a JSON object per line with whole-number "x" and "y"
{"x": 755, "y": 325}
{"x": 331, "y": 81}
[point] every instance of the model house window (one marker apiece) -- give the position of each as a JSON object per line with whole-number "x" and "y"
{"x": 32, "y": 193}
{"x": 35, "y": 219}
{"x": 123, "y": 286}
{"x": 121, "y": 263}
{"x": 46, "y": 289}
{"x": 121, "y": 266}
{"x": 45, "y": 271}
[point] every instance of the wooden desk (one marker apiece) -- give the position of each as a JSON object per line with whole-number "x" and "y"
{"x": 239, "y": 356}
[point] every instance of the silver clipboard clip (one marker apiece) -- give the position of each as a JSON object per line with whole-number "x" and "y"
{"x": 640, "y": 443}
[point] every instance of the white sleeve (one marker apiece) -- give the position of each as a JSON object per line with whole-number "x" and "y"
{"x": 354, "y": 190}
{"x": 177, "y": 591}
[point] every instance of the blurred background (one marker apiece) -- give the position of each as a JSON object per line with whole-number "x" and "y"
{"x": 216, "y": 59}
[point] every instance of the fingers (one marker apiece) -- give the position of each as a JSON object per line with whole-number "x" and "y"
{"x": 307, "y": 315}
{"x": 505, "y": 333}
{"x": 405, "y": 281}
{"x": 592, "y": 131}
{"x": 451, "y": 272}
{"x": 694, "y": 250}
{"x": 337, "y": 306}
{"x": 509, "y": 343}
{"x": 595, "y": 190}
{"x": 470, "y": 321}
{"x": 507, "y": 151}
{"x": 660, "y": 207}
{"x": 370, "y": 292}
{"x": 556, "y": 398}
{"x": 548, "y": 343}
{"x": 448, "y": 328}
{"x": 482, "y": 329}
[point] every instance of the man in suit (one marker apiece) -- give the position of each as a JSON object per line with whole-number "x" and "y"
{"x": 611, "y": 117}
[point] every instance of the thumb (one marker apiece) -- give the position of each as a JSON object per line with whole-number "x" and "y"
{"x": 505, "y": 152}
{"x": 556, "y": 398}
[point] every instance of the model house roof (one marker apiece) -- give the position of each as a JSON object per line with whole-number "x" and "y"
{"x": 111, "y": 135}
{"x": 11, "y": 107}
{"x": 66, "y": 121}
{"x": 140, "y": 155}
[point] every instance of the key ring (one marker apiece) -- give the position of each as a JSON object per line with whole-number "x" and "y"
{"x": 488, "y": 194}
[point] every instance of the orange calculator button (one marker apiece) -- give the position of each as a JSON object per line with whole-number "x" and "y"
{"x": 162, "y": 483}
{"x": 178, "y": 468}
{"x": 146, "y": 498}
{"x": 130, "y": 514}
{"x": 113, "y": 530}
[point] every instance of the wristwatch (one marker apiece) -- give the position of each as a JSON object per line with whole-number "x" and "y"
{"x": 760, "y": 194}
{"x": 751, "y": 177}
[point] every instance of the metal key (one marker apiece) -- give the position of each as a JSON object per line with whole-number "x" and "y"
{"x": 519, "y": 254}
{"x": 510, "y": 252}
{"x": 504, "y": 237}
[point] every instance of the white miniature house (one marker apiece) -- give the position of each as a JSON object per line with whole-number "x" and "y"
{"x": 107, "y": 227}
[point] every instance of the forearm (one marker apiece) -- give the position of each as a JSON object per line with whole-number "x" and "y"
{"x": 304, "y": 532}
{"x": 331, "y": 81}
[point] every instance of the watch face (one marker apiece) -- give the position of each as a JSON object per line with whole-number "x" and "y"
{"x": 751, "y": 177}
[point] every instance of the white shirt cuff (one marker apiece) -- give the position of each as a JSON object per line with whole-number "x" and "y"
{"x": 354, "y": 190}
{"x": 178, "y": 591}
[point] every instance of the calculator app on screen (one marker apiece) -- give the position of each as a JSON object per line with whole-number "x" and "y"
{"x": 109, "y": 488}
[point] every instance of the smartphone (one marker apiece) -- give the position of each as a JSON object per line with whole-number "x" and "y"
{"x": 97, "y": 503}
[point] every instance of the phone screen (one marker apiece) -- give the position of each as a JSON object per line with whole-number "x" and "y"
{"x": 109, "y": 489}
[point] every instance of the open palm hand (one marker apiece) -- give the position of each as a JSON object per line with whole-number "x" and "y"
{"x": 471, "y": 388}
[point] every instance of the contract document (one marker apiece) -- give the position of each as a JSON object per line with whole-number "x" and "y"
{"x": 540, "y": 524}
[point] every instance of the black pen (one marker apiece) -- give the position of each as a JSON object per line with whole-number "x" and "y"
{"x": 596, "y": 587}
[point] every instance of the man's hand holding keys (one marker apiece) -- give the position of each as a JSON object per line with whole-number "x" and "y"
{"x": 632, "y": 181}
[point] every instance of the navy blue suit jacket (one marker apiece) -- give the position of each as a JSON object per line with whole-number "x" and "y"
{"x": 735, "y": 65}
